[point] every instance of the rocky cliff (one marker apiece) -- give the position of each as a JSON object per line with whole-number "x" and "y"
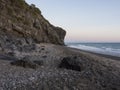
{"x": 22, "y": 24}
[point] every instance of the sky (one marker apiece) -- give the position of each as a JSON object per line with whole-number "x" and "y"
{"x": 83, "y": 20}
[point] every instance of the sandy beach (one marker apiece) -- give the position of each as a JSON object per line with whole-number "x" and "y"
{"x": 33, "y": 55}
{"x": 62, "y": 68}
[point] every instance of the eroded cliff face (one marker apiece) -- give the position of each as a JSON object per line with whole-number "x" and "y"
{"x": 22, "y": 24}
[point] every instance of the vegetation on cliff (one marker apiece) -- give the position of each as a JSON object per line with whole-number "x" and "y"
{"x": 21, "y": 23}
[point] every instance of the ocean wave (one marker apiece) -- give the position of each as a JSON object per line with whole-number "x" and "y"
{"x": 101, "y": 50}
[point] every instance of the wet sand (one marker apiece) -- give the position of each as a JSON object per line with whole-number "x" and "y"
{"x": 101, "y": 55}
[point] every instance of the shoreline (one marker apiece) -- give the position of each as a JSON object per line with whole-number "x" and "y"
{"x": 98, "y": 54}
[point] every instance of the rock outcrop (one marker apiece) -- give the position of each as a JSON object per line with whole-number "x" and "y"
{"x": 21, "y": 24}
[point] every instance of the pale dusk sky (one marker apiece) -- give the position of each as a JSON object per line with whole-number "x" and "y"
{"x": 84, "y": 20}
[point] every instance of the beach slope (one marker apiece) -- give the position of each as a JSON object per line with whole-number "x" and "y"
{"x": 54, "y": 67}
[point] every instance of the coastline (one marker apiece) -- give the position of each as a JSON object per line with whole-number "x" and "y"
{"x": 33, "y": 55}
{"x": 107, "y": 49}
{"x": 100, "y": 54}
{"x": 62, "y": 68}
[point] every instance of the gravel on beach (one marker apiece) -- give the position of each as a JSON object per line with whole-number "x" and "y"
{"x": 62, "y": 68}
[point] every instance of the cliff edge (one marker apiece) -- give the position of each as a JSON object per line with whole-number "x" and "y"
{"x": 22, "y": 24}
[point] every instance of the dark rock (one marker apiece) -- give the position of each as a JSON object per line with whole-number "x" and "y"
{"x": 114, "y": 88}
{"x": 27, "y": 63}
{"x": 69, "y": 63}
{"x": 38, "y": 62}
{"x": 24, "y": 63}
{"x": 44, "y": 56}
{"x": 42, "y": 48}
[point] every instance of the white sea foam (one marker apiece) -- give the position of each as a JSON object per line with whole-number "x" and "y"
{"x": 102, "y": 50}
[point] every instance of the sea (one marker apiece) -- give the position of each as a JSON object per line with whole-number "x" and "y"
{"x": 112, "y": 49}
